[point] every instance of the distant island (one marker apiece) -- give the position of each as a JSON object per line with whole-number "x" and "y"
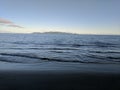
{"x": 60, "y": 33}
{"x": 68, "y": 33}
{"x": 52, "y": 33}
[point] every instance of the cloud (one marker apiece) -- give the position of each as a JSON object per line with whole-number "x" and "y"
{"x": 8, "y": 23}
{"x": 5, "y": 21}
{"x": 13, "y": 25}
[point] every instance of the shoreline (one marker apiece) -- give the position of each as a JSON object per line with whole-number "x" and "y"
{"x": 60, "y": 76}
{"x": 57, "y": 80}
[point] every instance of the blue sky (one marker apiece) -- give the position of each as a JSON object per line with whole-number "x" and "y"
{"x": 76, "y": 16}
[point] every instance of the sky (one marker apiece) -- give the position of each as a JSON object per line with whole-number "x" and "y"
{"x": 74, "y": 16}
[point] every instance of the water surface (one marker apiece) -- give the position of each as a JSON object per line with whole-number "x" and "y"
{"x": 71, "y": 48}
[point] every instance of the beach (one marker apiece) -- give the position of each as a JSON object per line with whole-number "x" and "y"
{"x": 58, "y": 77}
{"x": 58, "y": 81}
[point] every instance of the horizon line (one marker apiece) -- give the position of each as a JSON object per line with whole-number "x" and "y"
{"x": 56, "y": 32}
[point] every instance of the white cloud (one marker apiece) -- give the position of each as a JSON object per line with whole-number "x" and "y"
{"x": 14, "y": 25}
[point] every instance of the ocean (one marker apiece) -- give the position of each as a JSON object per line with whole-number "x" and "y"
{"x": 59, "y": 47}
{"x": 59, "y": 61}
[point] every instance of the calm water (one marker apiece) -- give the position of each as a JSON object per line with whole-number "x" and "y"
{"x": 38, "y": 48}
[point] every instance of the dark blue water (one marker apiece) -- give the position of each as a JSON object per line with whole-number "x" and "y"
{"x": 38, "y": 48}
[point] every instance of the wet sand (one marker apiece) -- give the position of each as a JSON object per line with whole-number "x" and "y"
{"x": 58, "y": 80}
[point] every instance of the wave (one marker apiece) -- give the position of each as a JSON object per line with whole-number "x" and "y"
{"x": 39, "y": 48}
{"x": 19, "y": 55}
{"x": 110, "y": 57}
{"x": 102, "y": 52}
{"x": 23, "y": 43}
{"x": 35, "y": 57}
{"x": 105, "y": 58}
{"x": 104, "y": 44}
{"x": 10, "y": 61}
{"x": 31, "y": 56}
